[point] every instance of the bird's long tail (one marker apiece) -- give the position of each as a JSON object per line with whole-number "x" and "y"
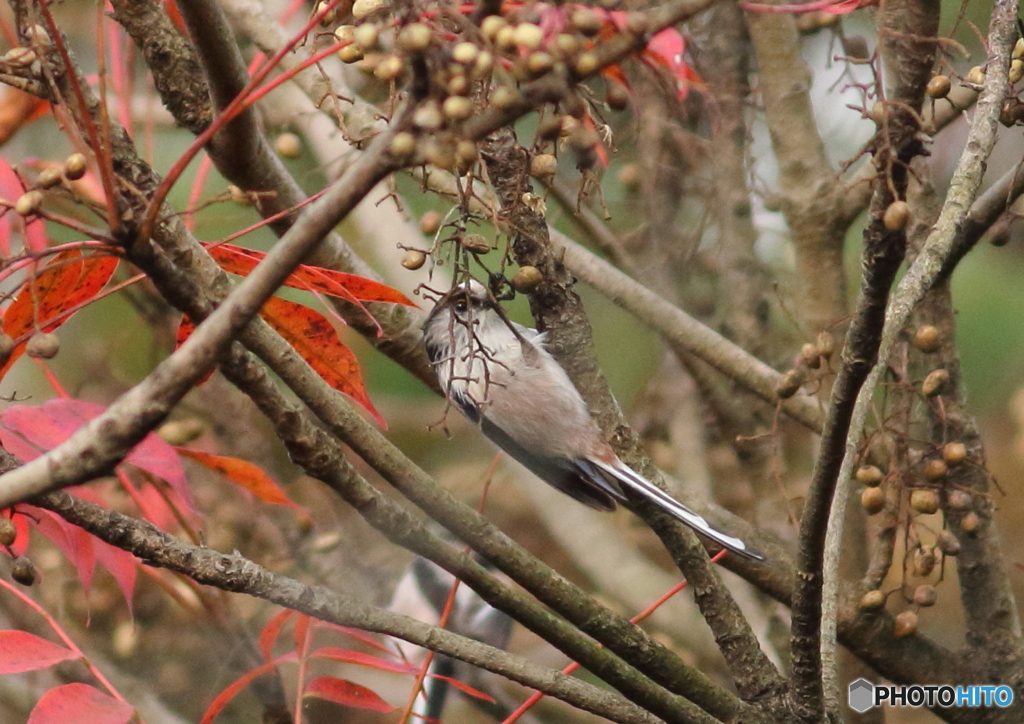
{"x": 645, "y": 488}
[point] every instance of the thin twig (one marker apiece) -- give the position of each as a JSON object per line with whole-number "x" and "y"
{"x": 684, "y": 332}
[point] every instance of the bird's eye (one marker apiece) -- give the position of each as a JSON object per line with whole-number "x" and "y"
{"x": 461, "y": 305}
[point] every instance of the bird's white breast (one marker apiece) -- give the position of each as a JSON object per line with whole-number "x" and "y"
{"x": 514, "y": 382}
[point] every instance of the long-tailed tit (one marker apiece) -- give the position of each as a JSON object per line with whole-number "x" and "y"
{"x": 422, "y": 593}
{"x": 500, "y": 376}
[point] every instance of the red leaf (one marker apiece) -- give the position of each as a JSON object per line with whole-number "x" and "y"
{"x": 340, "y": 691}
{"x": 72, "y": 541}
{"x": 156, "y": 508}
{"x": 464, "y": 688}
{"x": 241, "y": 261}
{"x": 21, "y": 651}
{"x": 38, "y": 427}
{"x": 83, "y": 552}
{"x": 232, "y": 690}
{"x": 346, "y": 656}
{"x": 301, "y": 631}
{"x": 315, "y": 340}
{"x": 35, "y": 235}
{"x": 270, "y": 632}
{"x": 161, "y": 459}
{"x": 122, "y": 566}
{"x": 78, "y": 546}
{"x": 667, "y": 49}
{"x": 79, "y": 703}
{"x": 833, "y": 7}
{"x": 50, "y": 424}
{"x": 66, "y": 282}
{"x": 18, "y": 446}
{"x": 21, "y": 538}
{"x": 357, "y": 635}
{"x": 5, "y": 229}
{"x": 248, "y": 475}
{"x": 10, "y": 188}
{"x": 185, "y": 330}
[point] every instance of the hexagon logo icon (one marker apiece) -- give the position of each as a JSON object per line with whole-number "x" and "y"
{"x": 862, "y": 695}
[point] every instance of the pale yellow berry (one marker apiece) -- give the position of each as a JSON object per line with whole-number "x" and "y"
{"x": 389, "y": 68}
{"x": 906, "y": 624}
{"x": 939, "y": 86}
{"x": 457, "y": 108}
{"x": 366, "y": 36}
{"x": 465, "y": 53}
{"x": 896, "y": 216}
{"x": 362, "y": 8}
{"x": 587, "y": 64}
{"x": 543, "y": 165}
{"x": 414, "y": 259}
{"x": 29, "y": 203}
{"x": 415, "y": 38}
{"x": 43, "y": 345}
{"x": 288, "y": 145}
{"x": 924, "y": 501}
{"x": 976, "y": 75}
{"x": 75, "y": 166}
{"x": 527, "y": 279}
{"x": 48, "y": 178}
{"x": 491, "y": 25}
{"x": 528, "y": 35}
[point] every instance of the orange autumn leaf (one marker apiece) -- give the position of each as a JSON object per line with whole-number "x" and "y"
{"x": 68, "y": 282}
{"x": 245, "y": 474}
{"x": 18, "y": 108}
{"x": 185, "y": 330}
{"x": 313, "y": 337}
{"x": 316, "y": 341}
{"x": 241, "y": 261}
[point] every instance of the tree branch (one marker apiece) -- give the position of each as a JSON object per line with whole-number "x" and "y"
{"x": 684, "y": 332}
{"x": 929, "y": 264}
{"x": 176, "y": 284}
{"x": 985, "y": 211}
{"x": 239, "y": 575}
{"x": 809, "y": 189}
{"x": 176, "y": 72}
{"x": 910, "y": 27}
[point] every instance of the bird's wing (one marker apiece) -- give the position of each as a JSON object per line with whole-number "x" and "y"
{"x": 646, "y": 489}
{"x": 569, "y": 476}
{"x": 465, "y": 404}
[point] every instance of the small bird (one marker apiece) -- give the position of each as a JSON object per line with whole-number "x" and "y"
{"x": 422, "y": 593}
{"x": 501, "y": 377}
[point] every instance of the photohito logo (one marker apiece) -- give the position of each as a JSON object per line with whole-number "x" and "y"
{"x": 864, "y": 695}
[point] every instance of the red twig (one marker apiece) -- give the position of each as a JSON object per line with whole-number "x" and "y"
{"x": 107, "y": 179}
{"x": 241, "y": 103}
